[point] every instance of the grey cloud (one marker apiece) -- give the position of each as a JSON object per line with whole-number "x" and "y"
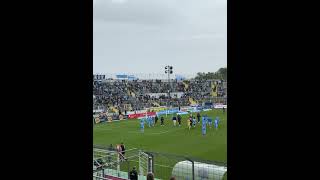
{"x": 145, "y": 35}
{"x": 135, "y": 11}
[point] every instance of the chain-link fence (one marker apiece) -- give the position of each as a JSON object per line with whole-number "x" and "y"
{"x": 113, "y": 164}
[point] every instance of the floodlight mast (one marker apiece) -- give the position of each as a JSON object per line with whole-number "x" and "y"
{"x": 168, "y": 70}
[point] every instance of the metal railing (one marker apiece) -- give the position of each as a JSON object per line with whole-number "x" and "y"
{"x": 184, "y": 167}
{"x": 162, "y": 165}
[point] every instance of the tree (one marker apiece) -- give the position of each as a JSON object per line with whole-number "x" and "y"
{"x": 220, "y": 74}
{"x": 223, "y": 73}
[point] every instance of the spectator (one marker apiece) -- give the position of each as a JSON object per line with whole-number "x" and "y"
{"x": 133, "y": 174}
{"x": 123, "y": 151}
{"x": 150, "y": 176}
{"x": 173, "y": 178}
{"x": 110, "y": 149}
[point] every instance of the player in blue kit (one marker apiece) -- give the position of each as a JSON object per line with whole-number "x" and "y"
{"x": 152, "y": 121}
{"x": 142, "y": 124}
{"x": 210, "y": 122}
{"x": 204, "y": 125}
{"x": 216, "y": 122}
{"x": 149, "y": 120}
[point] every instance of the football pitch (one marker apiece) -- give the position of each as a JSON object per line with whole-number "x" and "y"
{"x": 168, "y": 139}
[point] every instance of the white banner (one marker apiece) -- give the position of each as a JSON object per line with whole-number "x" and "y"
{"x": 220, "y": 106}
{"x": 136, "y": 112}
{"x": 98, "y": 110}
{"x": 173, "y": 94}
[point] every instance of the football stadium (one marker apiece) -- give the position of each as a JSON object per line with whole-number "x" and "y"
{"x": 170, "y": 127}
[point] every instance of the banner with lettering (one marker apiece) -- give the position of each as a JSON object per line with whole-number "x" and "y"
{"x": 139, "y": 115}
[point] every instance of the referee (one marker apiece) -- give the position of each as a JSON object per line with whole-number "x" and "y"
{"x": 198, "y": 117}
{"x": 162, "y": 121}
{"x": 179, "y": 119}
{"x": 156, "y": 120}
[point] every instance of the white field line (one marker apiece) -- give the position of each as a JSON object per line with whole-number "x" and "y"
{"x": 162, "y": 132}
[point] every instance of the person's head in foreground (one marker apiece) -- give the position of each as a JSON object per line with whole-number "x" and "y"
{"x": 150, "y": 176}
{"x": 173, "y": 178}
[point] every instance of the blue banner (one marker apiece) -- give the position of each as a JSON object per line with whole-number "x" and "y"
{"x": 170, "y": 111}
{"x": 194, "y": 110}
{"x": 161, "y": 112}
{"x": 176, "y": 110}
{"x": 121, "y": 76}
{"x": 182, "y": 112}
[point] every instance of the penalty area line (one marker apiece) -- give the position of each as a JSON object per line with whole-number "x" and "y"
{"x": 161, "y": 132}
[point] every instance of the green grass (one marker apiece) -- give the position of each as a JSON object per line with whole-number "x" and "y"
{"x": 168, "y": 139}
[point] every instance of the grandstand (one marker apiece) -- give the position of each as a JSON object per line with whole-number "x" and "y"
{"x": 125, "y": 97}
{"x": 157, "y": 104}
{"x": 126, "y": 94}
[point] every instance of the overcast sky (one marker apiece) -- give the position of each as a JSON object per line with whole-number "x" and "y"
{"x": 143, "y": 36}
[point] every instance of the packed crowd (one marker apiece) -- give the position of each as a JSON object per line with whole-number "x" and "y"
{"x": 118, "y": 93}
{"x": 110, "y": 94}
{"x": 156, "y": 86}
{"x": 198, "y": 90}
